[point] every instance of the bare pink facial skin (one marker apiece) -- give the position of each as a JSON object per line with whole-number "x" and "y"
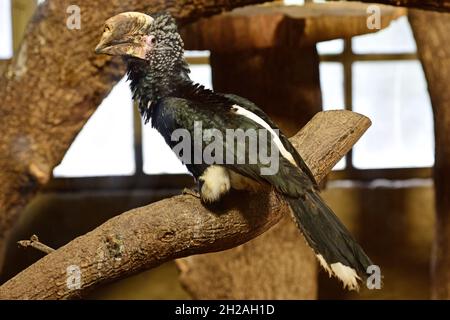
{"x": 126, "y": 35}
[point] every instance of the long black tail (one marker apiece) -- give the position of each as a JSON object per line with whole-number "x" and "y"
{"x": 336, "y": 249}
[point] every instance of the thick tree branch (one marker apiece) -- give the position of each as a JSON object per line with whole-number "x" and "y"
{"x": 435, "y": 5}
{"x": 180, "y": 226}
{"x": 53, "y": 85}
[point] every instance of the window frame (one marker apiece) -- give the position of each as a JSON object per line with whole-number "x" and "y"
{"x": 141, "y": 180}
{"x": 347, "y": 57}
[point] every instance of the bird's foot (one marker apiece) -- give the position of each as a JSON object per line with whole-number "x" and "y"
{"x": 191, "y": 192}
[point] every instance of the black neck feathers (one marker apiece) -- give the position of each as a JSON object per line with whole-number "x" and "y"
{"x": 150, "y": 82}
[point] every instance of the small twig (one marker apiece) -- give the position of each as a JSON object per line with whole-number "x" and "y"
{"x": 36, "y": 244}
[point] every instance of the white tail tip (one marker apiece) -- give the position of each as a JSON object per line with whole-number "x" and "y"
{"x": 347, "y": 275}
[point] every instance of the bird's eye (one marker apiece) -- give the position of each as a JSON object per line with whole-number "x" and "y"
{"x": 107, "y": 29}
{"x": 150, "y": 40}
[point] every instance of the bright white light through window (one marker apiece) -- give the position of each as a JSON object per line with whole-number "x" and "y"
{"x": 104, "y": 147}
{"x": 294, "y": 2}
{"x": 158, "y": 157}
{"x": 197, "y": 53}
{"x": 332, "y": 87}
{"x": 6, "y": 43}
{"x": 330, "y": 47}
{"x": 393, "y": 94}
{"x": 397, "y": 38}
{"x": 201, "y": 73}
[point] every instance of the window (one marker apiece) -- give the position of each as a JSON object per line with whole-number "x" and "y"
{"x": 402, "y": 126}
{"x": 397, "y": 38}
{"x": 104, "y": 147}
{"x": 383, "y": 81}
{"x": 380, "y": 76}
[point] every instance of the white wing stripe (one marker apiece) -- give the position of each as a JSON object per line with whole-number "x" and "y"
{"x": 248, "y": 114}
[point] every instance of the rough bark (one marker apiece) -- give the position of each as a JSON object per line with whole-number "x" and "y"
{"x": 431, "y": 33}
{"x": 54, "y": 84}
{"x": 146, "y": 237}
{"x": 276, "y": 265}
{"x": 435, "y": 5}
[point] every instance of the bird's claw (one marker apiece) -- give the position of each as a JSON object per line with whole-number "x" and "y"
{"x": 191, "y": 192}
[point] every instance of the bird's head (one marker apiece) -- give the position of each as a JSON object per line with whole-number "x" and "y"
{"x": 138, "y": 35}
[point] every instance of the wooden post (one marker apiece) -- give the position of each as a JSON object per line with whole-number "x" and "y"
{"x": 431, "y": 32}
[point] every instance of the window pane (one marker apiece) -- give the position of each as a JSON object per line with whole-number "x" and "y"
{"x": 397, "y": 38}
{"x": 332, "y": 87}
{"x": 105, "y": 145}
{"x": 158, "y": 157}
{"x": 6, "y": 46}
{"x": 201, "y": 73}
{"x": 394, "y": 96}
{"x": 197, "y": 53}
{"x": 330, "y": 47}
{"x": 300, "y": 2}
{"x": 294, "y": 2}
{"x": 340, "y": 165}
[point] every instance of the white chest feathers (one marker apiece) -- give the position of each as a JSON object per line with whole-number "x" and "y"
{"x": 216, "y": 183}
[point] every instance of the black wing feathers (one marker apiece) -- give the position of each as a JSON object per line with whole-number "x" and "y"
{"x": 175, "y": 113}
{"x": 322, "y": 229}
{"x": 247, "y": 104}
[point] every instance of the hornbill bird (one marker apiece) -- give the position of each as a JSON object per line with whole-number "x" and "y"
{"x": 159, "y": 79}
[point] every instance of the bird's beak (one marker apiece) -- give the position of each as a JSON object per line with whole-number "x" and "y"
{"x": 101, "y": 47}
{"x": 124, "y": 34}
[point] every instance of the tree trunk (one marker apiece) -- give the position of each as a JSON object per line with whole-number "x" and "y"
{"x": 431, "y": 33}
{"x": 54, "y": 84}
